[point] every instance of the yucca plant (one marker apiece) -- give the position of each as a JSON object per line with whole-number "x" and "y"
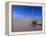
{"x": 34, "y": 23}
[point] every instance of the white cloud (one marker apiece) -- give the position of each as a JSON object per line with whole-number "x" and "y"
{"x": 17, "y": 16}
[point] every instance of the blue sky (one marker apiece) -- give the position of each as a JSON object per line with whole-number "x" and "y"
{"x": 26, "y": 11}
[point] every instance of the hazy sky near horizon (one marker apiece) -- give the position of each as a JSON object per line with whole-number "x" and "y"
{"x": 26, "y": 11}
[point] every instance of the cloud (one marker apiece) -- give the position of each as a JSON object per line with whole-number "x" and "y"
{"x": 17, "y": 16}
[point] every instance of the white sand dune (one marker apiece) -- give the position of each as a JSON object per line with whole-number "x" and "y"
{"x": 22, "y": 24}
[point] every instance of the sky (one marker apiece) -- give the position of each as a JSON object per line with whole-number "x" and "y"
{"x": 26, "y": 11}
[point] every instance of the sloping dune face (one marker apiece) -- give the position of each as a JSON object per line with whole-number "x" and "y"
{"x": 21, "y": 24}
